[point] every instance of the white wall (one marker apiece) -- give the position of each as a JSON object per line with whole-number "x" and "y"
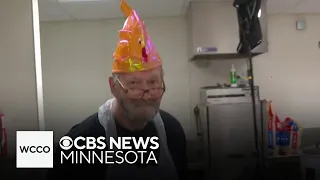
{"x": 18, "y": 98}
{"x": 288, "y": 74}
{"x": 77, "y": 58}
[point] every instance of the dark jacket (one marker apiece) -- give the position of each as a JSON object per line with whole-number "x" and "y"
{"x": 91, "y": 127}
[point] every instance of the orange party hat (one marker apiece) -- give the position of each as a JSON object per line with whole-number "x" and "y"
{"x": 135, "y": 51}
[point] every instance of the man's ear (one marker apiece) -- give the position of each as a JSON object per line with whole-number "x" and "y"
{"x": 112, "y": 86}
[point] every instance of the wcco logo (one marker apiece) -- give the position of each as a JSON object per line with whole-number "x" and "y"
{"x": 34, "y": 149}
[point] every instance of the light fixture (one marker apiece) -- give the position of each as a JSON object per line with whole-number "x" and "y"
{"x": 259, "y": 13}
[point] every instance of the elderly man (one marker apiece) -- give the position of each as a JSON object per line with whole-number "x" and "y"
{"x": 137, "y": 85}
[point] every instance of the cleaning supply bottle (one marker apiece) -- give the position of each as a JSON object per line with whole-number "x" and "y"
{"x": 233, "y": 76}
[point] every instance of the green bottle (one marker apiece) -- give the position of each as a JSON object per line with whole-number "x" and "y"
{"x": 233, "y": 76}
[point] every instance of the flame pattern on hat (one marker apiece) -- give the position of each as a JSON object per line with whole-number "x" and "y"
{"x": 135, "y": 51}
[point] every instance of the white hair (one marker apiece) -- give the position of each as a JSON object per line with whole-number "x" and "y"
{"x": 116, "y": 76}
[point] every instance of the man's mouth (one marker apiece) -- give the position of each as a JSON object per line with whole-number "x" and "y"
{"x": 144, "y": 105}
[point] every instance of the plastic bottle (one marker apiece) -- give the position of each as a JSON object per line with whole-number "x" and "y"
{"x": 233, "y": 76}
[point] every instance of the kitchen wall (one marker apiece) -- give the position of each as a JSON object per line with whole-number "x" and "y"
{"x": 77, "y": 58}
{"x": 18, "y": 97}
{"x": 288, "y": 73}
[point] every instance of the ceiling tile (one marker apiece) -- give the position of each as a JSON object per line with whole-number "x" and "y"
{"x": 280, "y": 6}
{"x": 307, "y": 6}
{"x": 91, "y": 10}
{"x": 51, "y": 10}
{"x": 153, "y": 8}
{"x": 111, "y": 8}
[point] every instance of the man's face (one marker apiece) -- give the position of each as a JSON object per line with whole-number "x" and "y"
{"x": 139, "y": 93}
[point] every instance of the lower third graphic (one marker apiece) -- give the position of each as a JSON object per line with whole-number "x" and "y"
{"x": 34, "y": 149}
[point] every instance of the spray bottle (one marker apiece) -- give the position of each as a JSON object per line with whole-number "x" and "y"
{"x": 233, "y": 76}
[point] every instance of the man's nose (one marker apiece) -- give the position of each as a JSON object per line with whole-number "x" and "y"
{"x": 146, "y": 94}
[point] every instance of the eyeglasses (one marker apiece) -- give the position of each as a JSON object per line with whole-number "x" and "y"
{"x": 154, "y": 92}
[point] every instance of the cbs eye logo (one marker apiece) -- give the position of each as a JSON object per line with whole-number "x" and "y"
{"x": 66, "y": 143}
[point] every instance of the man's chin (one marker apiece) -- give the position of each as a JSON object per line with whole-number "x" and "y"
{"x": 144, "y": 114}
{"x": 144, "y": 109}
